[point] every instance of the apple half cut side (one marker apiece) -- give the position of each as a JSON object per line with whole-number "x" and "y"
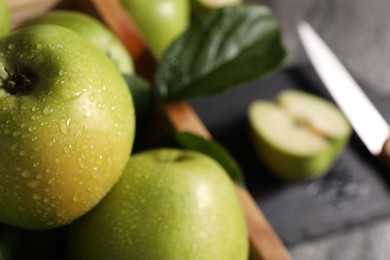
{"x": 299, "y": 135}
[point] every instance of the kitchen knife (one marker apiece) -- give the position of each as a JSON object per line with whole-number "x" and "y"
{"x": 365, "y": 119}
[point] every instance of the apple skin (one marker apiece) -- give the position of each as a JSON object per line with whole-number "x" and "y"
{"x": 202, "y": 5}
{"x": 293, "y": 152}
{"x": 66, "y": 138}
{"x": 5, "y": 18}
{"x": 169, "y": 204}
{"x": 91, "y": 29}
{"x": 159, "y": 21}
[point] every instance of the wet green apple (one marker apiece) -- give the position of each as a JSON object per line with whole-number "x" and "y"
{"x": 299, "y": 135}
{"x": 91, "y": 29}
{"x": 66, "y": 126}
{"x": 5, "y": 18}
{"x": 160, "y": 21}
{"x": 169, "y": 204}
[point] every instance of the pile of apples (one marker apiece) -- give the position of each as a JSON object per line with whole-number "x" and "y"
{"x": 68, "y": 117}
{"x": 67, "y": 129}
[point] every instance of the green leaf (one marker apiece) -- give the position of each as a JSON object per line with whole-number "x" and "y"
{"x": 141, "y": 93}
{"x": 221, "y": 49}
{"x": 212, "y": 148}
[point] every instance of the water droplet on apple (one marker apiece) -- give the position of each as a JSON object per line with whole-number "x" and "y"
{"x": 74, "y": 198}
{"x": 64, "y": 126}
{"x": 34, "y": 117}
{"x": 94, "y": 173}
{"x": 36, "y": 197}
{"x": 60, "y": 214}
{"x": 81, "y": 163}
{"x": 11, "y": 46}
{"x": 66, "y": 149}
{"x": 32, "y": 184}
{"x": 47, "y": 110}
{"x": 31, "y": 129}
{"x": 14, "y": 146}
{"x": 70, "y": 95}
{"x": 15, "y": 133}
{"x": 22, "y": 153}
{"x": 25, "y": 174}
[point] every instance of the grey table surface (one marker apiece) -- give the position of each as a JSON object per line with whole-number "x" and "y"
{"x": 359, "y": 33}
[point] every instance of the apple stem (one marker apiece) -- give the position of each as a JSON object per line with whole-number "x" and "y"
{"x": 18, "y": 83}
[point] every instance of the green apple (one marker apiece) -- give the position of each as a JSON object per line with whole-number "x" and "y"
{"x": 299, "y": 135}
{"x": 5, "y": 18}
{"x": 159, "y": 21}
{"x": 91, "y": 29}
{"x": 66, "y": 126}
{"x": 212, "y": 4}
{"x": 169, "y": 204}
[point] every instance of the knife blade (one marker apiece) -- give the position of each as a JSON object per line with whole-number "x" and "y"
{"x": 366, "y": 120}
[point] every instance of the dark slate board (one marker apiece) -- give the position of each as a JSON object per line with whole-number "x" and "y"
{"x": 354, "y": 192}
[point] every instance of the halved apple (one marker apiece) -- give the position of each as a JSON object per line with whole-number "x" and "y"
{"x": 299, "y": 135}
